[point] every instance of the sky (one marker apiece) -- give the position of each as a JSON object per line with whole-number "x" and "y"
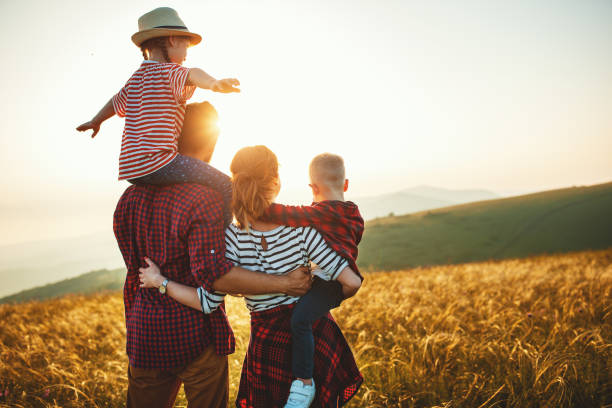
{"x": 510, "y": 96}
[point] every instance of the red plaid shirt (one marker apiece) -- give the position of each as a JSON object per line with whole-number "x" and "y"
{"x": 180, "y": 227}
{"x": 339, "y": 222}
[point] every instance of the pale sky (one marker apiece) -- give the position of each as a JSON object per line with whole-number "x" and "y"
{"x": 501, "y": 95}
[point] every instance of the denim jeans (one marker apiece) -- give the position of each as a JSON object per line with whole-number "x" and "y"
{"x": 320, "y": 299}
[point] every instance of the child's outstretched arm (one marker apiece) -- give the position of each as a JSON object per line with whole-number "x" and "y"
{"x": 201, "y": 79}
{"x": 106, "y": 112}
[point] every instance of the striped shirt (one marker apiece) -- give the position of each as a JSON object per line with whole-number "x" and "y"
{"x": 153, "y": 104}
{"x": 287, "y": 249}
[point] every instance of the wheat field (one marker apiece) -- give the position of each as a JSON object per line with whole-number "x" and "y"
{"x": 533, "y": 332}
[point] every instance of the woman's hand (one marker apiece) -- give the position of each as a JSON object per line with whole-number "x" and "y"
{"x": 151, "y": 277}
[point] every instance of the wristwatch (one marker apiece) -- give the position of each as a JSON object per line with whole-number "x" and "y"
{"x": 162, "y": 288}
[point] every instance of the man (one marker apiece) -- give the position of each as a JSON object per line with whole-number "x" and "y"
{"x": 180, "y": 228}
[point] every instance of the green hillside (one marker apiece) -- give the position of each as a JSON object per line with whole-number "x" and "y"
{"x": 90, "y": 282}
{"x": 563, "y": 220}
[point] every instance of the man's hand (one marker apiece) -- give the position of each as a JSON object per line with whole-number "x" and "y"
{"x": 298, "y": 282}
{"x": 225, "y": 85}
{"x": 95, "y": 126}
{"x": 151, "y": 277}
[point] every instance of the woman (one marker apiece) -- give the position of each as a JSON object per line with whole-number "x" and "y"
{"x": 270, "y": 248}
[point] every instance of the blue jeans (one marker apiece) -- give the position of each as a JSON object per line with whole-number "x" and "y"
{"x": 185, "y": 169}
{"x": 320, "y": 299}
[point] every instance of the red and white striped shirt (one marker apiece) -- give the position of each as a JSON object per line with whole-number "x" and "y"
{"x": 153, "y": 104}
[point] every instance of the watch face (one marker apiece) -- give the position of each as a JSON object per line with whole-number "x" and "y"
{"x": 162, "y": 289}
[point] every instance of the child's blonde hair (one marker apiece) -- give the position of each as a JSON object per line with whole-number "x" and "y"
{"x": 328, "y": 170}
{"x": 160, "y": 43}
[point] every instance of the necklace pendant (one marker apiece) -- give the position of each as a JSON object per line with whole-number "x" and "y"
{"x": 264, "y": 243}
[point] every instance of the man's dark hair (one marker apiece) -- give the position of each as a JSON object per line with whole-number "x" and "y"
{"x": 200, "y": 130}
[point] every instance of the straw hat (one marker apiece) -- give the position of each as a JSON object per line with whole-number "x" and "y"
{"x": 162, "y": 22}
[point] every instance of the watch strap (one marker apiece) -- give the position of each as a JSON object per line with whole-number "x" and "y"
{"x": 163, "y": 287}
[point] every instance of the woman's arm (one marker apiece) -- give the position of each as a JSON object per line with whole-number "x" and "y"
{"x": 183, "y": 294}
{"x": 151, "y": 277}
{"x": 237, "y": 281}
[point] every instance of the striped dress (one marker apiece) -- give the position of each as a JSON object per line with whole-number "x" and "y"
{"x": 285, "y": 249}
{"x": 153, "y": 104}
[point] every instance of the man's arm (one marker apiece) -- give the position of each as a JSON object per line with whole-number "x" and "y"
{"x": 237, "y": 281}
{"x": 243, "y": 281}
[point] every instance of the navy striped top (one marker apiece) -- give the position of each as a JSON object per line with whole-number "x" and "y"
{"x": 277, "y": 252}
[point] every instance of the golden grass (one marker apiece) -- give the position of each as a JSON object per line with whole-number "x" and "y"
{"x": 535, "y": 332}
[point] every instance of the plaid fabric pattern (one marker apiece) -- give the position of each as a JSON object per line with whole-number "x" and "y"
{"x": 339, "y": 222}
{"x": 266, "y": 373}
{"x": 180, "y": 227}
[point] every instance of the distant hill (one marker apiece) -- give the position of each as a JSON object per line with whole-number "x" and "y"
{"x": 562, "y": 220}
{"x": 416, "y": 199}
{"x": 90, "y": 282}
{"x": 29, "y": 264}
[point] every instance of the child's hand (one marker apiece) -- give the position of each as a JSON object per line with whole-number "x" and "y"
{"x": 227, "y": 85}
{"x": 151, "y": 277}
{"x": 90, "y": 125}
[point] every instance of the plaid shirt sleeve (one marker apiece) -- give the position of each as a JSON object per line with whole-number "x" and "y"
{"x": 296, "y": 215}
{"x": 206, "y": 242}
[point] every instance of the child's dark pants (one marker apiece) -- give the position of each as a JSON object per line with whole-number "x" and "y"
{"x": 322, "y": 297}
{"x": 186, "y": 169}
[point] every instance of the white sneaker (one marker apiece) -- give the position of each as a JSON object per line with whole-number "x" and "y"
{"x": 300, "y": 395}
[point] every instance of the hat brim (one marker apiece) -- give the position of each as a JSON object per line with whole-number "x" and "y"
{"x": 145, "y": 35}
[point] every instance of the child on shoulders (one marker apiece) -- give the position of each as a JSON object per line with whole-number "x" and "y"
{"x": 153, "y": 103}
